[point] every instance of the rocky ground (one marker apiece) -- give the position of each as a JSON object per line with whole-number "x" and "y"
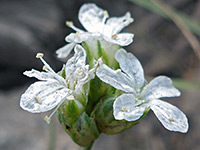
{"x": 27, "y": 27}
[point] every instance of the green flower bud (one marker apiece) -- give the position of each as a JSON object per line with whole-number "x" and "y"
{"x": 105, "y": 120}
{"x": 83, "y": 131}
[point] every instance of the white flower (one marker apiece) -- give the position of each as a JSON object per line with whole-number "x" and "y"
{"x": 95, "y": 21}
{"x": 53, "y": 89}
{"x": 140, "y": 96}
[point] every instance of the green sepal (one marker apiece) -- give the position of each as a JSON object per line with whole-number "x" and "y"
{"x": 98, "y": 89}
{"x": 84, "y": 131}
{"x": 105, "y": 120}
{"x": 69, "y": 112}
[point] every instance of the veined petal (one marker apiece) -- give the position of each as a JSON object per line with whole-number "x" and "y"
{"x": 126, "y": 107}
{"x": 42, "y": 96}
{"x": 116, "y": 79}
{"x": 78, "y": 60}
{"x": 159, "y": 87}
{"x": 92, "y": 17}
{"x": 131, "y": 66}
{"x": 170, "y": 116}
{"x": 39, "y": 75}
{"x": 115, "y": 24}
{"x": 122, "y": 39}
{"x": 77, "y": 37}
{"x": 64, "y": 51}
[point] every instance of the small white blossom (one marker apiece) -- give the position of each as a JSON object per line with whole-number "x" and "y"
{"x": 53, "y": 89}
{"x": 140, "y": 96}
{"x": 98, "y": 25}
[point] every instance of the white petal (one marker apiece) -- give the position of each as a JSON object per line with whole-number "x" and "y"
{"x": 39, "y": 75}
{"x": 122, "y": 39}
{"x": 170, "y": 116}
{"x": 126, "y": 107}
{"x": 92, "y": 17}
{"x": 131, "y": 66}
{"x": 78, "y": 60}
{"x": 78, "y": 37}
{"x": 64, "y": 51}
{"x": 116, "y": 79}
{"x": 115, "y": 24}
{"x": 43, "y": 96}
{"x": 161, "y": 86}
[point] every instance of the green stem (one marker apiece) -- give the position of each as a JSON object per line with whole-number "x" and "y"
{"x": 89, "y": 147}
{"x": 52, "y": 134}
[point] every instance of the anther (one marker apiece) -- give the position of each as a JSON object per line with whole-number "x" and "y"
{"x": 118, "y": 71}
{"x": 114, "y": 36}
{"x": 69, "y": 23}
{"x": 138, "y": 90}
{"x": 106, "y": 13}
{"x": 39, "y": 55}
{"x": 38, "y": 99}
{"x": 78, "y": 34}
{"x": 70, "y": 98}
{"x": 124, "y": 109}
{"x": 47, "y": 119}
{"x": 130, "y": 19}
{"x": 171, "y": 120}
{"x": 44, "y": 68}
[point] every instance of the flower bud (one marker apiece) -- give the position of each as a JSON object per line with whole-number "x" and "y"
{"x": 83, "y": 131}
{"x": 105, "y": 120}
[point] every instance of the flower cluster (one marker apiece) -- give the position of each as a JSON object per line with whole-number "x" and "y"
{"x": 107, "y": 95}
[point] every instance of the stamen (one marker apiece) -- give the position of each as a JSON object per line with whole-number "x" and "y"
{"x": 143, "y": 101}
{"x": 106, "y": 13}
{"x": 114, "y": 36}
{"x": 70, "y": 98}
{"x": 124, "y": 109}
{"x": 76, "y": 49}
{"x": 39, "y": 55}
{"x": 71, "y": 25}
{"x": 138, "y": 90}
{"x": 44, "y": 68}
{"x": 130, "y": 20}
{"x": 47, "y": 119}
{"x": 118, "y": 71}
{"x": 171, "y": 120}
{"x": 38, "y": 99}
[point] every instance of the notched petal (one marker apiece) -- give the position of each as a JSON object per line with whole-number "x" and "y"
{"x": 159, "y": 87}
{"x": 170, "y": 116}
{"x": 131, "y": 66}
{"x": 43, "y": 96}
{"x": 64, "y": 51}
{"x": 126, "y": 107}
{"x": 115, "y": 78}
{"x": 92, "y": 17}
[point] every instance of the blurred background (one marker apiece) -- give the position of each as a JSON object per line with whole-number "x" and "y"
{"x": 28, "y": 27}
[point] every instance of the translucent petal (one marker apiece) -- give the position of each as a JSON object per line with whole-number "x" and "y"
{"x": 126, "y": 107}
{"x": 170, "y": 116}
{"x": 115, "y": 24}
{"x": 161, "y": 86}
{"x": 64, "y": 51}
{"x": 39, "y": 75}
{"x": 131, "y": 66}
{"x": 92, "y": 17}
{"x": 122, "y": 39}
{"x": 78, "y": 60}
{"x": 43, "y": 96}
{"x": 78, "y": 37}
{"x": 116, "y": 79}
